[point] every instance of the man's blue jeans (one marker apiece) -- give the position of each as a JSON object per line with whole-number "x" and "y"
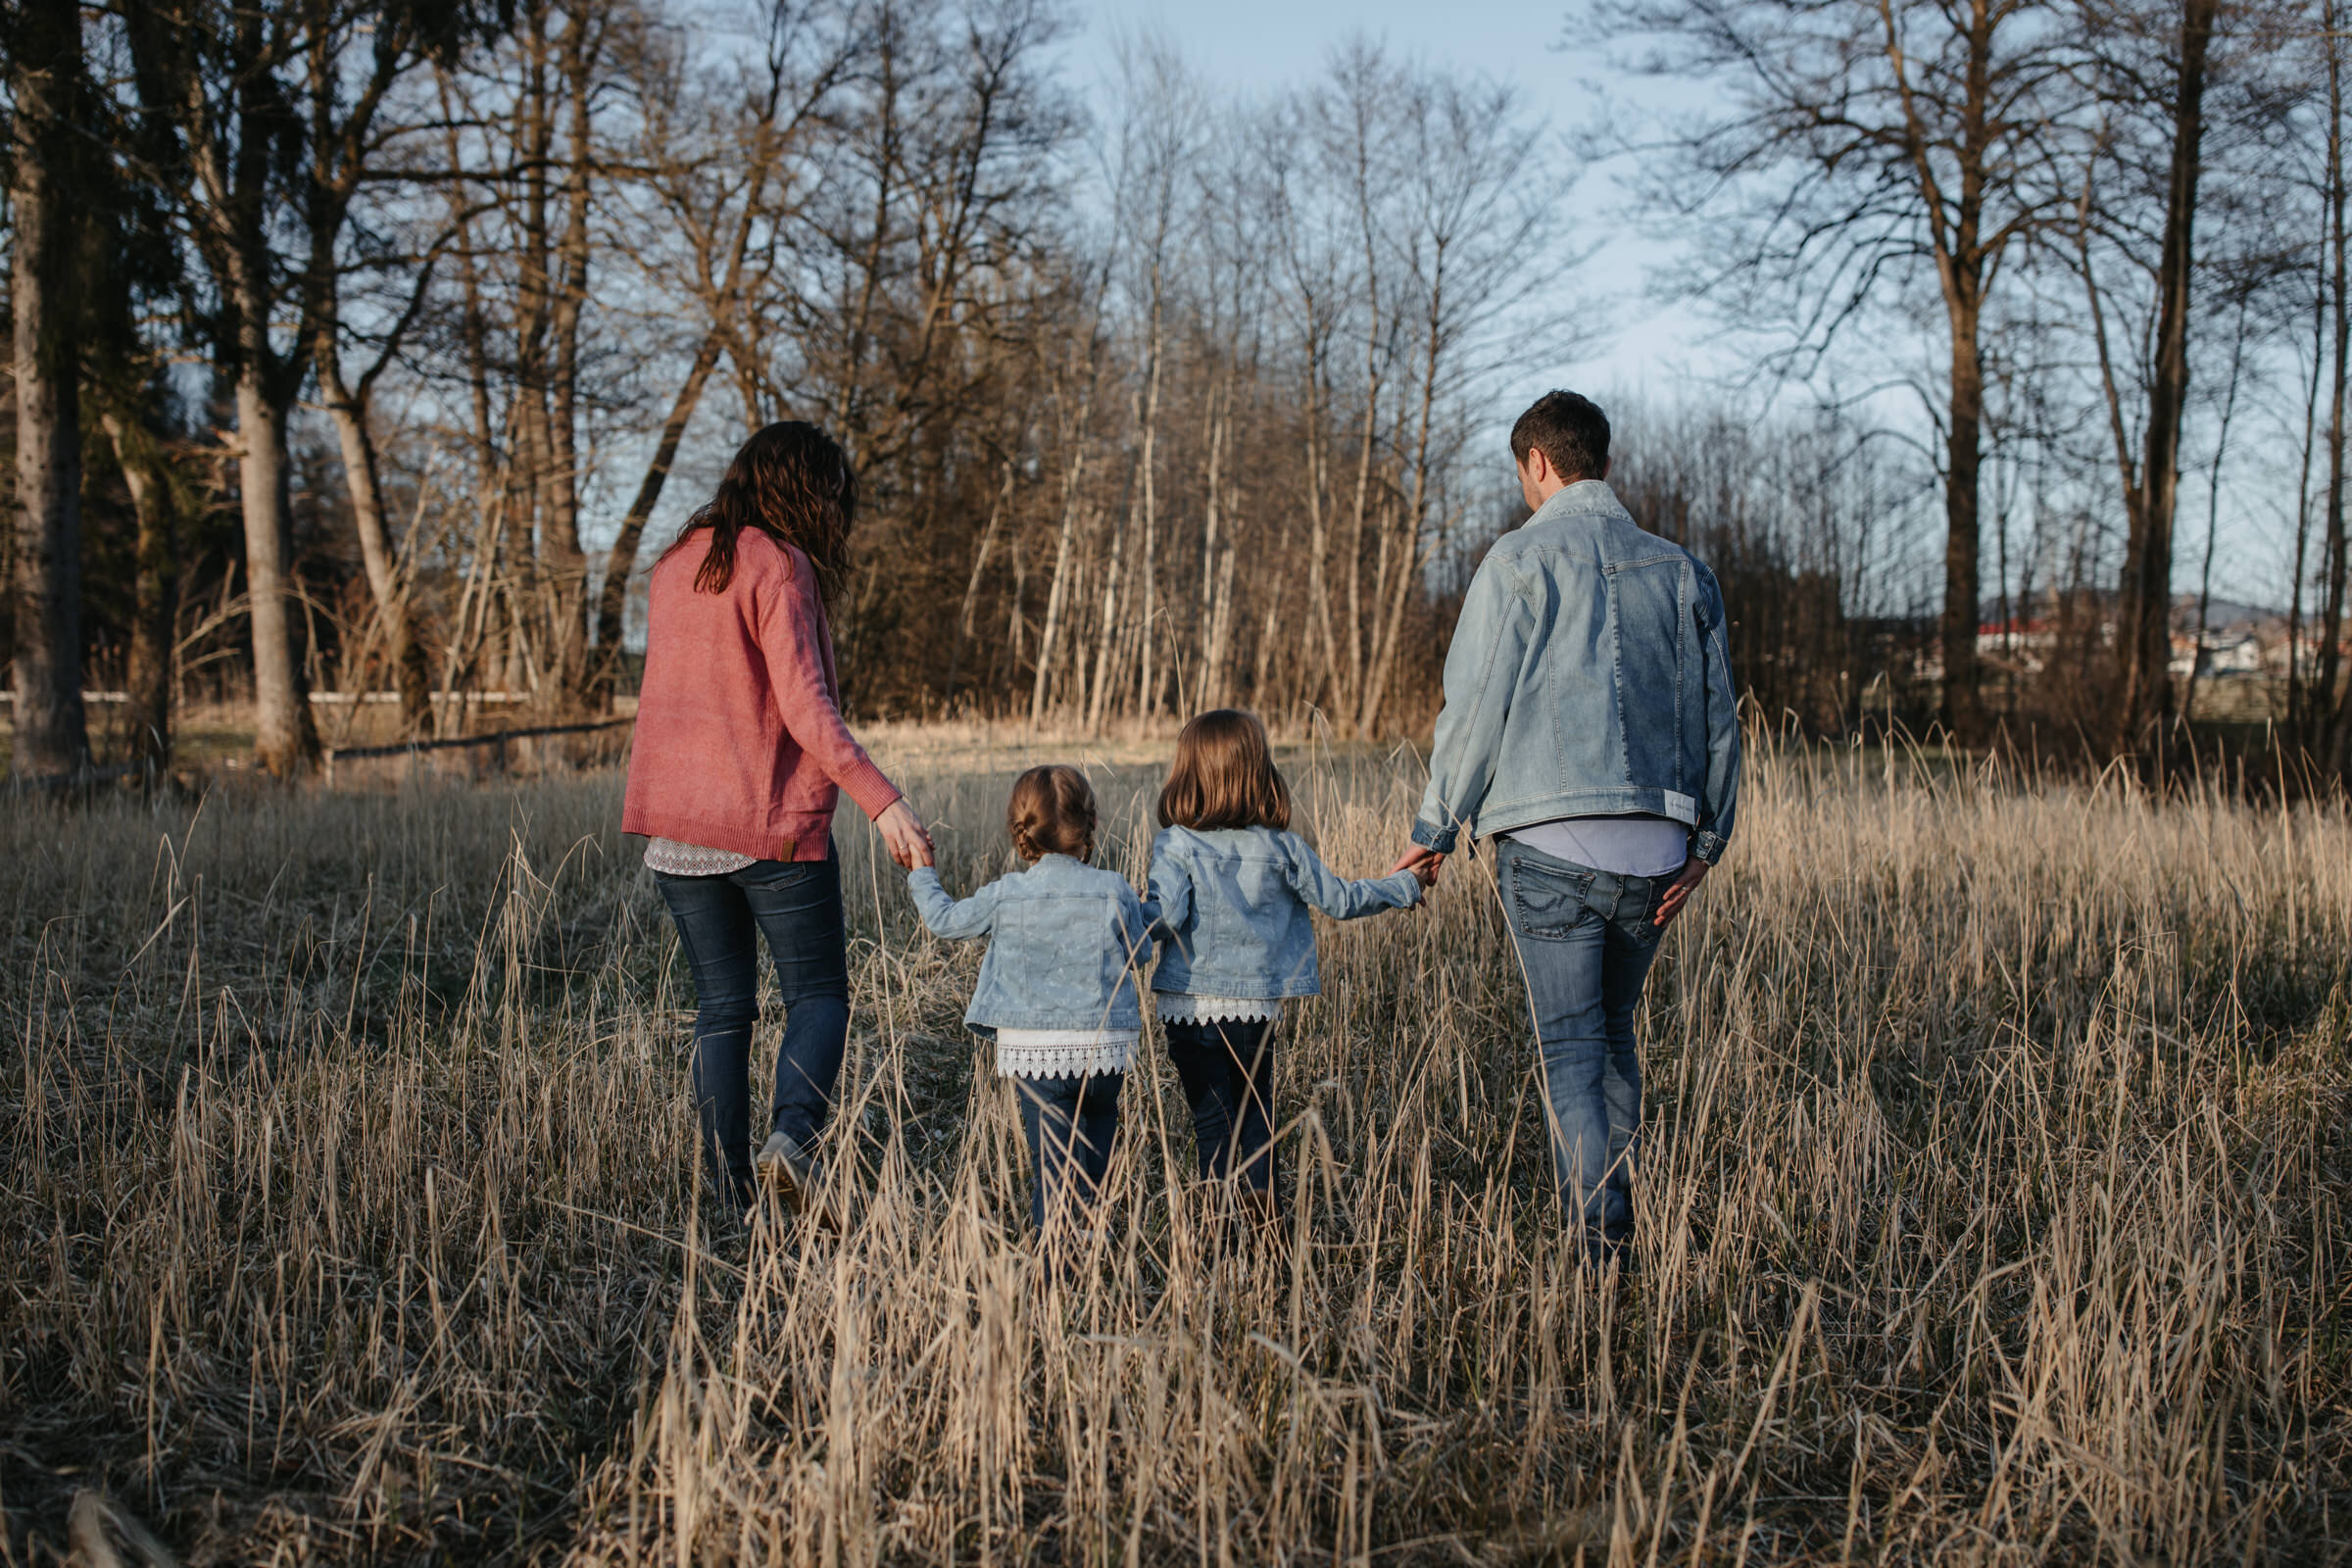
{"x": 797, "y": 905}
{"x": 1586, "y": 940}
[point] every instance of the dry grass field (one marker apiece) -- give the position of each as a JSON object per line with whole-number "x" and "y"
{"x": 1994, "y": 1208}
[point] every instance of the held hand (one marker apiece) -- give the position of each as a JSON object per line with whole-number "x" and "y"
{"x": 1423, "y": 863}
{"x": 904, "y": 836}
{"x": 1695, "y": 871}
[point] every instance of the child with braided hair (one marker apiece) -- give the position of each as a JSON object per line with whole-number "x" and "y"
{"x": 1057, "y": 989}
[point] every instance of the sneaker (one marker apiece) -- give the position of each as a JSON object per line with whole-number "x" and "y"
{"x": 791, "y": 1172}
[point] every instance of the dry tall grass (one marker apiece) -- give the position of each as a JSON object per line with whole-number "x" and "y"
{"x": 1993, "y": 1210}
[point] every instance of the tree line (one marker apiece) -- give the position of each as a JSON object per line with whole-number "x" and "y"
{"x": 378, "y": 349}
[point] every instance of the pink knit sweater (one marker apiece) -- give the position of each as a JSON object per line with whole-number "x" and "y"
{"x": 740, "y": 744}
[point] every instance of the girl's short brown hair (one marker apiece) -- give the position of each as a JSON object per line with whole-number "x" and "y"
{"x": 1224, "y": 776}
{"x": 1052, "y": 812}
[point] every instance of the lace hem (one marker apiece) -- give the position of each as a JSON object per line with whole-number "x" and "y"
{"x": 1176, "y": 1006}
{"x": 1063, "y": 1053}
{"x": 672, "y": 859}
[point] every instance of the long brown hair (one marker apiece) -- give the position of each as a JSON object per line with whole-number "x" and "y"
{"x": 792, "y": 482}
{"x": 1224, "y": 776}
{"x": 1052, "y": 812}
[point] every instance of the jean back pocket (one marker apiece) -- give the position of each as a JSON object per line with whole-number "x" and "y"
{"x": 1548, "y": 902}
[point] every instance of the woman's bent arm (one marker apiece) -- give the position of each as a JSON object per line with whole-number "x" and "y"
{"x": 791, "y": 632}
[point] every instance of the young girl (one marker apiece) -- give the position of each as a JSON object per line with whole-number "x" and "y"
{"x": 1057, "y": 988}
{"x": 1233, "y": 885}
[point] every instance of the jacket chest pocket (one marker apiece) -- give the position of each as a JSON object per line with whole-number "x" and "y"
{"x": 1548, "y": 904}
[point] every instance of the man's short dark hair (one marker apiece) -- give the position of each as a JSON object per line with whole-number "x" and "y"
{"x": 1571, "y": 432}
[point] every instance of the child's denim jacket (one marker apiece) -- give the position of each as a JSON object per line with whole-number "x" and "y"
{"x": 1065, "y": 941}
{"x": 1233, "y": 910}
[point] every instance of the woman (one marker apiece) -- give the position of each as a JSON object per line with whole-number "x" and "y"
{"x": 740, "y": 756}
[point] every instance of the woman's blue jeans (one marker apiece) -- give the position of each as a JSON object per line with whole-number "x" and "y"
{"x": 1227, "y": 1070}
{"x": 796, "y": 905}
{"x": 1586, "y": 940}
{"x": 1069, "y": 1125}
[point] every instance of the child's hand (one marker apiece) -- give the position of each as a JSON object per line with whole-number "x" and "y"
{"x": 904, "y": 836}
{"x": 1423, "y": 863}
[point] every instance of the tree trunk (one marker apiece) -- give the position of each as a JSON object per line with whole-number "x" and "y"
{"x": 1110, "y": 624}
{"x": 971, "y": 585}
{"x": 364, "y": 480}
{"x": 148, "y": 682}
{"x": 285, "y": 738}
{"x": 2144, "y": 632}
{"x": 1963, "y": 709}
{"x": 1040, "y": 690}
{"x": 621, "y": 563}
{"x": 563, "y": 517}
{"x": 52, "y": 736}
{"x": 2330, "y": 711}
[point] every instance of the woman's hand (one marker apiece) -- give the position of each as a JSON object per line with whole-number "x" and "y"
{"x": 902, "y": 835}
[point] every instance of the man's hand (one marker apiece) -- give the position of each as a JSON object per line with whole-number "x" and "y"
{"x": 904, "y": 836}
{"x": 1423, "y": 863}
{"x": 1695, "y": 871}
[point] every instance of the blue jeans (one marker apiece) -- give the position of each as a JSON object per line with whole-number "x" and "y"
{"x": 1586, "y": 941}
{"x": 1069, "y": 1125}
{"x": 1227, "y": 1068}
{"x": 720, "y": 919}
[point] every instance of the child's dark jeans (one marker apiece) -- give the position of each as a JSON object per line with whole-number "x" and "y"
{"x": 1069, "y": 1124}
{"x": 1227, "y": 1068}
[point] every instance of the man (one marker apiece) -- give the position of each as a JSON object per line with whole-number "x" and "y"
{"x": 1590, "y": 724}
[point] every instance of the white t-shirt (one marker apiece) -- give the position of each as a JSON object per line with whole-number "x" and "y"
{"x": 1621, "y": 846}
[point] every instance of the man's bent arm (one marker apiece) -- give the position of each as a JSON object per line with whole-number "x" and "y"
{"x": 1482, "y": 668}
{"x": 1719, "y": 805}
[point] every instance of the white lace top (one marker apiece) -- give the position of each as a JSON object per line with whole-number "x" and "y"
{"x": 670, "y": 857}
{"x": 1064, "y": 1053}
{"x": 1176, "y": 1006}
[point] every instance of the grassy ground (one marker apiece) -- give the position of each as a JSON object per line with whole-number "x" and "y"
{"x": 1993, "y": 1208}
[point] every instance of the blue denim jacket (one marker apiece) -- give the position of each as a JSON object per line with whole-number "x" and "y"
{"x": 1064, "y": 940}
{"x": 1587, "y": 677}
{"x": 1233, "y": 910}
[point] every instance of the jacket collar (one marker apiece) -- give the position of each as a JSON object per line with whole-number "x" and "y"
{"x": 1583, "y": 499}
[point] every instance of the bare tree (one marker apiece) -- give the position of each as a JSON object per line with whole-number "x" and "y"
{"x": 1869, "y": 148}
{"x": 2151, "y": 66}
{"x": 46, "y": 81}
{"x": 273, "y": 108}
{"x": 721, "y": 180}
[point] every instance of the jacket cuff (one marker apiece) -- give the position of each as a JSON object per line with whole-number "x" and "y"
{"x": 1708, "y": 845}
{"x": 1431, "y": 836}
{"x": 862, "y": 781}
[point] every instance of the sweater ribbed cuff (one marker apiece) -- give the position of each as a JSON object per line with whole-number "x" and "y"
{"x": 868, "y": 786}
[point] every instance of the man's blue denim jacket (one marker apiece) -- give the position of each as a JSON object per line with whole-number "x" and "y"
{"x": 1233, "y": 910}
{"x": 1065, "y": 941}
{"x": 1587, "y": 677}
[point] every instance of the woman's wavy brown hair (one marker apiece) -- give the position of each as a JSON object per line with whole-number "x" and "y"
{"x": 792, "y": 482}
{"x": 1052, "y": 812}
{"x": 1224, "y": 776}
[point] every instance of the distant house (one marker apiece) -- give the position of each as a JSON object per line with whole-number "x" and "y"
{"x": 2017, "y": 642}
{"x": 2223, "y": 652}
